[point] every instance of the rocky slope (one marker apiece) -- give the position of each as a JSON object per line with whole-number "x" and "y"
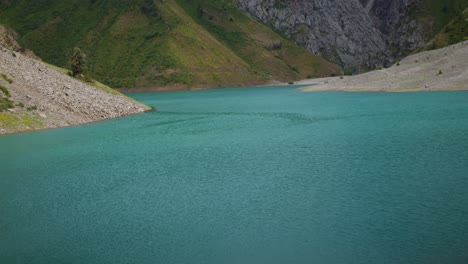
{"x": 8, "y": 38}
{"x": 357, "y": 34}
{"x": 441, "y": 69}
{"x": 38, "y": 97}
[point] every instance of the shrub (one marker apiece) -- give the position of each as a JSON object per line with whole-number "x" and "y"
{"x": 78, "y": 62}
{"x": 292, "y": 68}
{"x": 5, "y": 91}
{"x": 273, "y": 45}
{"x": 348, "y": 71}
{"x": 88, "y": 79}
{"x": 31, "y": 108}
{"x": 5, "y": 104}
{"x": 6, "y": 78}
{"x": 149, "y": 9}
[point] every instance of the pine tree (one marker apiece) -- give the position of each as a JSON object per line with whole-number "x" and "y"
{"x": 78, "y": 63}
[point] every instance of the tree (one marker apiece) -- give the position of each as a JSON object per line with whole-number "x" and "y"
{"x": 78, "y": 63}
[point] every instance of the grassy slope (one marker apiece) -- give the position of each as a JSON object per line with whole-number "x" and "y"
{"x": 145, "y": 43}
{"x": 434, "y": 15}
{"x": 255, "y": 42}
{"x": 456, "y": 31}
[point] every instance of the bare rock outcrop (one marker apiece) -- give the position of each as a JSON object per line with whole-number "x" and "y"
{"x": 8, "y": 39}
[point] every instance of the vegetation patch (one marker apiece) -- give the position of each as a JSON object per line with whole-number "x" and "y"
{"x": 349, "y": 71}
{"x": 32, "y": 120}
{"x": 5, "y": 104}
{"x": 6, "y": 78}
{"x": 9, "y": 120}
{"x": 279, "y": 5}
{"x": 435, "y": 15}
{"x": 5, "y": 91}
{"x": 15, "y": 121}
{"x": 31, "y": 108}
{"x": 268, "y": 54}
{"x": 456, "y": 31}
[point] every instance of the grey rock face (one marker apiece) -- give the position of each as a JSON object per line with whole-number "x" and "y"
{"x": 361, "y": 34}
{"x": 393, "y": 19}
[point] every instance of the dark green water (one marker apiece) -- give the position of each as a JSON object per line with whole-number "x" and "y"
{"x": 266, "y": 175}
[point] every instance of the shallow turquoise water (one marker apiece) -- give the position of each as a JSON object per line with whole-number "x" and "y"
{"x": 266, "y": 175}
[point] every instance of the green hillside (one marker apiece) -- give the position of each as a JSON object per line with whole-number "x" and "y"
{"x": 172, "y": 44}
{"x": 456, "y": 31}
{"x": 434, "y": 15}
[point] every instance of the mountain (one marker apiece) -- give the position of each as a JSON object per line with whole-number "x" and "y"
{"x": 357, "y": 34}
{"x": 181, "y": 44}
{"x": 161, "y": 44}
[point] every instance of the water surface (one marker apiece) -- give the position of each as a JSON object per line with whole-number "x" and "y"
{"x": 266, "y": 175}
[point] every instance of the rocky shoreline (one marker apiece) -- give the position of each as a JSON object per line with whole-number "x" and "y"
{"x": 437, "y": 70}
{"x": 44, "y": 98}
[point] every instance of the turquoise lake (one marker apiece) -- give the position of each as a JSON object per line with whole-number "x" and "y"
{"x": 251, "y": 175}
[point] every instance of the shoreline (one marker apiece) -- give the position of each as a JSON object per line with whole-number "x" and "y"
{"x": 306, "y": 82}
{"x": 73, "y": 125}
{"x": 443, "y": 69}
